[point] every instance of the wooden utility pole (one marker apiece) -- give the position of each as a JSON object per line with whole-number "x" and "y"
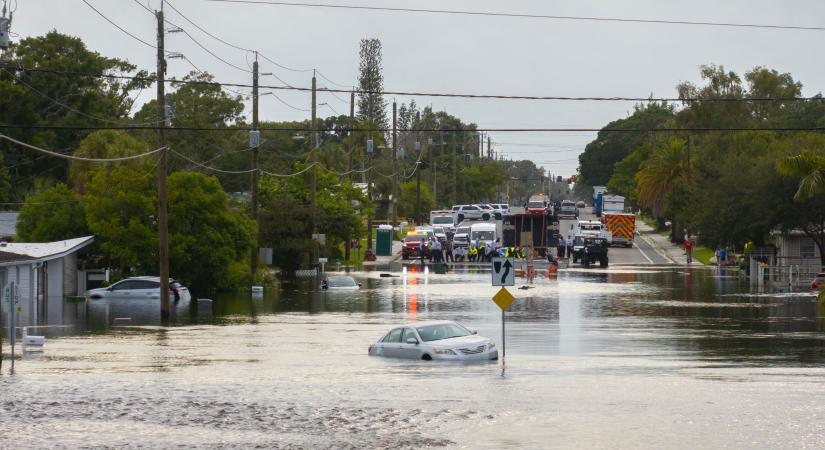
{"x": 314, "y": 161}
{"x": 163, "y": 218}
{"x": 394, "y": 201}
{"x": 351, "y": 175}
{"x": 454, "y": 163}
{"x": 351, "y": 133}
{"x": 255, "y": 141}
{"x": 369, "y": 189}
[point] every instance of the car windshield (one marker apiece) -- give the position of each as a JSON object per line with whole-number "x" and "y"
{"x": 591, "y": 227}
{"x": 535, "y": 205}
{"x": 415, "y": 238}
{"x": 442, "y": 220}
{"x": 438, "y": 230}
{"x": 442, "y": 331}
{"x": 462, "y": 230}
{"x": 484, "y": 235}
{"x": 567, "y": 203}
{"x": 341, "y": 282}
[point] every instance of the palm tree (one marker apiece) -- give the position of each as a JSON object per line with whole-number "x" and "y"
{"x": 657, "y": 177}
{"x": 808, "y": 166}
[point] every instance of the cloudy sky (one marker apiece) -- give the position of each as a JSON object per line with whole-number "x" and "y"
{"x": 465, "y": 54}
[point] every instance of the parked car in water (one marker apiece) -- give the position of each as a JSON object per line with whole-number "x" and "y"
{"x": 140, "y": 288}
{"x": 818, "y": 280}
{"x": 342, "y": 282}
{"x": 442, "y": 340}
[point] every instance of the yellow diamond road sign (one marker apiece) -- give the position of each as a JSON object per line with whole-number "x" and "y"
{"x": 503, "y": 298}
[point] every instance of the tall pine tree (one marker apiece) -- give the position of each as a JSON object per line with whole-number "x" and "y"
{"x": 371, "y": 105}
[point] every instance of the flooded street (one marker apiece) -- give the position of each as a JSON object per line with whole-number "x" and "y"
{"x": 627, "y": 357}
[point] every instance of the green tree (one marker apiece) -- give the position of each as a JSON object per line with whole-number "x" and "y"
{"x": 209, "y": 242}
{"x": 104, "y": 144}
{"x": 285, "y": 217}
{"x": 407, "y": 202}
{"x": 600, "y": 156}
{"x": 371, "y": 104}
{"x": 121, "y": 211}
{"x": 808, "y": 166}
{"x": 52, "y": 215}
{"x": 57, "y": 98}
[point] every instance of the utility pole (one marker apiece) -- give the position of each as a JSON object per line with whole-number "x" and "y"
{"x": 453, "y": 153}
{"x": 163, "y": 218}
{"x": 313, "y": 178}
{"x": 254, "y": 138}
{"x": 419, "y": 159}
{"x": 369, "y": 189}
{"x": 351, "y": 133}
{"x": 489, "y": 148}
{"x": 393, "y": 202}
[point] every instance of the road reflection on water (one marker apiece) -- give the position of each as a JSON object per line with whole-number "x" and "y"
{"x": 625, "y": 357}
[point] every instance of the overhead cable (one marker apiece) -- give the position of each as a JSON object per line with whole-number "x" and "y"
{"x": 118, "y": 26}
{"x": 444, "y": 94}
{"x": 525, "y": 15}
{"x": 78, "y": 158}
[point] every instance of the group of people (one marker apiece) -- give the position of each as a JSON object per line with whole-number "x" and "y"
{"x": 477, "y": 251}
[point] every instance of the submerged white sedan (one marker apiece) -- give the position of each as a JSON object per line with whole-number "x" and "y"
{"x": 442, "y": 340}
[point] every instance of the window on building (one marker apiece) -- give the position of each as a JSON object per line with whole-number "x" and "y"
{"x": 807, "y": 248}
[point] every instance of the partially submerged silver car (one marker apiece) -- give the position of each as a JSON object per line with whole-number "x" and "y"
{"x": 441, "y": 340}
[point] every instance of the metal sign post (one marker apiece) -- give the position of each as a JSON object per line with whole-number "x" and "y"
{"x": 503, "y": 274}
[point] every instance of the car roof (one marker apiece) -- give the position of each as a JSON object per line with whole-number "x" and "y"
{"x": 426, "y": 323}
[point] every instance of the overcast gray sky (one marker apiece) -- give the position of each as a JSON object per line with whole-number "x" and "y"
{"x": 466, "y": 54}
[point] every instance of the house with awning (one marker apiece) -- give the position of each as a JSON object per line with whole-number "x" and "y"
{"x": 43, "y": 274}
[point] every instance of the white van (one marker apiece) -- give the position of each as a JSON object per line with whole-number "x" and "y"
{"x": 590, "y": 228}
{"x": 484, "y": 232}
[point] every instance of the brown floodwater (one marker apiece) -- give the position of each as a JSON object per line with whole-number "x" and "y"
{"x": 622, "y": 358}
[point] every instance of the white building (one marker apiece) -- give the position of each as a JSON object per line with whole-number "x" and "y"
{"x": 44, "y": 275}
{"x": 797, "y": 256}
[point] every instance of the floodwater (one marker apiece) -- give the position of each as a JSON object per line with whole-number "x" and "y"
{"x": 623, "y": 358}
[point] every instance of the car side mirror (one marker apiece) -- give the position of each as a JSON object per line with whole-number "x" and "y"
{"x": 412, "y": 341}
{"x": 109, "y": 288}
{"x": 359, "y": 284}
{"x": 475, "y": 332}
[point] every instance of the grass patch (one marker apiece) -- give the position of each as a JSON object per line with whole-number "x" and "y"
{"x": 703, "y": 254}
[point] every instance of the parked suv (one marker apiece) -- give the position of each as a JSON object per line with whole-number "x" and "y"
{"x": 470, "y": 212}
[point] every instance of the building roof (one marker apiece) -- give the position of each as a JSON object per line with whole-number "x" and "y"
{"x": 6, "y": 257}
{"x": 42, "y": 251}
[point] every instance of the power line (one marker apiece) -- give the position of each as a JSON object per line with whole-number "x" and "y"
{"x": 526, "y": 15}
{"x": 63, "y": 105}
{"x": 78, "y": 158}
{"x": 433, "y": 130}
{"x": 118, "y": 26}
{"x": 817, "y": 98}
{"x": 285, "y": 103}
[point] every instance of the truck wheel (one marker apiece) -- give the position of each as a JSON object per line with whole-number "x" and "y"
{"x": 603, "y": 262}
{"x": 586, "y": 263}
{"x": 460, "y": 218}
{"x": 485, "y": 217}
{"x": 629, "y": 245}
